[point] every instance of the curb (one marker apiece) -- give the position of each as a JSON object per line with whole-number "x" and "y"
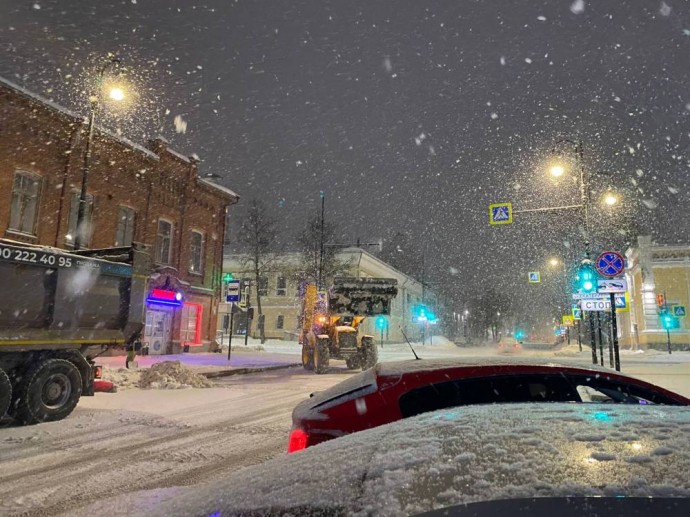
{"x": 244, "y": 371}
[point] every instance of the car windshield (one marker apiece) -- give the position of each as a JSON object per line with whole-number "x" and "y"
{"x": 235, "y": 228}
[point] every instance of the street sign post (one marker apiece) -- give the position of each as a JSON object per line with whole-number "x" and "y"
{"x": 534, "y": 277}
{"x": 232, "y": 291}
{"x": 501, "y": 213}
{"x": 610, "y": 264}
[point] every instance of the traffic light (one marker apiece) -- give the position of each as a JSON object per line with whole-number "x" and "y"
{"x": 586, "y": 278}
{"x": 668, "y": 321}
{"x": 227, "y": 277}
{"x": 381, "y": 322}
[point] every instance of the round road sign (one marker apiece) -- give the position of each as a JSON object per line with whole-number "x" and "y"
{"x": 610, "y": 264}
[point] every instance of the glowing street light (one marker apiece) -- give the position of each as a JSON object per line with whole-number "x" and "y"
{"x": 554, "y": 262}
{"x": 117, "y": 94}
{"x": 557, "y": 171}
{"x": 610, "y": 199}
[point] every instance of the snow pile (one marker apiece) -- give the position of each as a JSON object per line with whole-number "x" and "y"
{"x": 569, "y": 351}
{"x": 172, "y": 375}
{"x": 122, "y": 377}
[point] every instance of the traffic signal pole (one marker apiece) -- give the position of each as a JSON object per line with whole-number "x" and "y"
{"x": 592, "y": 337}
{"x": 614, "y": 332}
{"x": 601, "y": 341}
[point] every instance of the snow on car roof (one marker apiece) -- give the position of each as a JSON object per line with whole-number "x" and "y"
{"x": 463, "y": 455}
{"x": 413, "y": 365}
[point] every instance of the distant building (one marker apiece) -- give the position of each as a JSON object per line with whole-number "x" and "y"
{"x": 151, "y": 194}
{"x": 281, "y": 303}
{"x": 652, "y": 270}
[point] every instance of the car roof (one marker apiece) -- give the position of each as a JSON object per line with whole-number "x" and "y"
{"x": 468, "y": 454}
{"x": 428, "y": 365}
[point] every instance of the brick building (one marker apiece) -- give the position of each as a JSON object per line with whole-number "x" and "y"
{"x": 150, "y": 194}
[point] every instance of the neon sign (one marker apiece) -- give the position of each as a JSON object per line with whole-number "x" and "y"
{"x": 165, "y": 297}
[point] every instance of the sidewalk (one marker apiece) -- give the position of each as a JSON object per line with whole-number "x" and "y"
{"x": 214, "y": 364}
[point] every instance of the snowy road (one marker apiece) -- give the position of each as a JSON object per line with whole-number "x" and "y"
{"x": 164, "y": 438}
{"x": 155, "y": 439}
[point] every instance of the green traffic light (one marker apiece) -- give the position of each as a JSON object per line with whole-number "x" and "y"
{"x": 227, "y": 277}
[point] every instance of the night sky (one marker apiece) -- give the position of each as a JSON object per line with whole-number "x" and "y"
{"x": 412, "y": 116}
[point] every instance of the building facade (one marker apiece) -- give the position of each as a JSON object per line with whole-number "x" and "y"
{"x": 150, "y": 194}
{"x": 281, "y": 302}
{"x": 654, "y": 270}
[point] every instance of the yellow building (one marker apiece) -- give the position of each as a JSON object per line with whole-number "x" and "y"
{"x": 281, "y": 303}
{"x": 653, "y": 270}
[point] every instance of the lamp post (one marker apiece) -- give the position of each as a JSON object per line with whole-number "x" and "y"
{"x": 558, "y": 170}
{"x": 116, "y": 94}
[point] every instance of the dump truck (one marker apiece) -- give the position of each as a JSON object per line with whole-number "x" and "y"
{"x": 332, "y": 321}
{"x": 59, "y": 310}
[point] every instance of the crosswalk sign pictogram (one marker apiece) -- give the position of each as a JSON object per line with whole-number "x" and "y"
{"x": 534, "y": 277}
{"x": 577, "y": 313}
{"x": 679, "y": 311}
{"x": 501, "y": 213}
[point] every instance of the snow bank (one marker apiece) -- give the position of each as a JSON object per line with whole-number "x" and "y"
{"x": 570, "y": 351}
{"x": 122, "y": 377}
{"x": 172, "y": 375}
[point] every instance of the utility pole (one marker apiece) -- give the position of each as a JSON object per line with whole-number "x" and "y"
{"x": 321, "y": 243}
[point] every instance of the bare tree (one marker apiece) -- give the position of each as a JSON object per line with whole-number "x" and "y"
{"x": 258, "y": 235}
{"x": 319, "y": 258}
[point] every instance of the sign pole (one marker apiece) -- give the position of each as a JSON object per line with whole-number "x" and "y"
{"x": 601, "y": 340}
{"x": 614, "y": 332}
{"x": 668, "y": 331}
{"x": 592, "y": 338}
{"x": 232, "y": 315}
{"x": 579, "y": 334}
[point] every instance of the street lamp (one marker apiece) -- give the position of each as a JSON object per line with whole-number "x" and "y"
{"x": 610, "y": 199}
{"x": 115, "y": 93}
{"x": 557, "y": 171}
{"x": 554, "y": 262}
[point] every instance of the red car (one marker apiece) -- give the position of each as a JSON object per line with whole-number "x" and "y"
{"x": 397, "y": 390}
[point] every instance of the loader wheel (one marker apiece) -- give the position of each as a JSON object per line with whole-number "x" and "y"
{"x": 5, "y": 393}
{"x": 352, "y": 362}
{"x": 370, "y": 355}
{"x": 307, "y": 358}
{"x": 49, "y": 391}
{"x": 321, "y": 357}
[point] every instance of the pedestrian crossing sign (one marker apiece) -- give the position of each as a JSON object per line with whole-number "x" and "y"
{"x": 577, "y": 313}
{"x": 501, "y": 213}
{"x": 679, "y": 311}
{"x": 534, "y": 277}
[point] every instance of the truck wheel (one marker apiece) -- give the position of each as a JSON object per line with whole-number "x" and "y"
{"x": 370, "y": 355}
{"x": 5, "y": 393}
{"x": 352, "y": 362}
{"x": 49, "y": 391}
{"x": 321, "y": 357}
{"x": 307, "y": 358}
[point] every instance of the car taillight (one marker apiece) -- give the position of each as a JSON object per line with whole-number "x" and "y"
{"x": 97, "y": 372}
{"x": 298, "y": 440}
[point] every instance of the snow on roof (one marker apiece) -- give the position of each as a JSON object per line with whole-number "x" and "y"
{"x": 179, "y": 155}
{"x": 38, "y": 98}
{"x": 464, "y": 455}
{"x": 78, "y": 118}
{"x": 218, "y": 187}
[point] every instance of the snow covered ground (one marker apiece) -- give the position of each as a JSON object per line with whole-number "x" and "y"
{"x": 140, "y": 439}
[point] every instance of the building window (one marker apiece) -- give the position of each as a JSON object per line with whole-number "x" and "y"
{"x": 263, "y": 286}
{"x": 190, "y": 324}
{"x": 86, "y": 229}
{"x": 280, "y": 322}
{"x": 125, "y": 226}
{"x": 196, "y": 257}
{"x": 281, "y": 286}
{"x": 164, "y": 242}
{"x": 24, "y": 210}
